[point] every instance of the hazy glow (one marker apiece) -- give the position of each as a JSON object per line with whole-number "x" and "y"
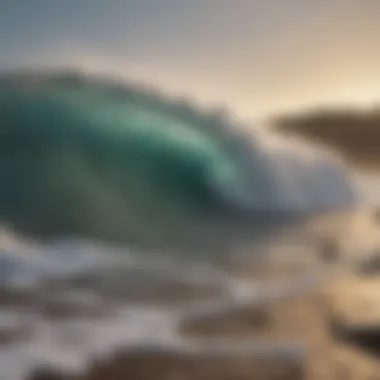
{"x": 257, "y": 56}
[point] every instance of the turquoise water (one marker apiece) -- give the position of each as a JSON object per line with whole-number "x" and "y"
{"x": 85, "y": 157}
{"x": 80, "y": 162}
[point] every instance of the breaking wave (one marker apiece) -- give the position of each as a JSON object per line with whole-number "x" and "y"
{"x": 88, "y": 156}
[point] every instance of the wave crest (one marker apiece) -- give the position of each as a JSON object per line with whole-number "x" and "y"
{"x": 84, "y": 155}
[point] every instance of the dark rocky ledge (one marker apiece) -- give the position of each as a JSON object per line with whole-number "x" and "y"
{"x": 212, "y": 363}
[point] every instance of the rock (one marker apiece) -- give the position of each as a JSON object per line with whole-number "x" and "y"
{"x": 355, "y": 314}
{"x": 160, "y": 363}
{"x": 376, "y": 216}
{"x": 176, "y": 293}
{"x": 370, "y": 267}
{"x": 329, "y": 251}
{"x": 235, "y": 322}
{"x": 72, "y": 304}
{"x": 20, "y": 298}
{"x": 202, "y": 365}
{"x": 48, "y": 373}
{"x": 134, "y": 287}
{"x": 363, "y": 336}
{"x": 12, "y": 328}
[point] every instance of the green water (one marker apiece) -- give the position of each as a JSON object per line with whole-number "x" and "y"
{"x": 82, "y": 161}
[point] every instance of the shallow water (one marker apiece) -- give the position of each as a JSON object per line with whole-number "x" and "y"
{"x": 64, "y": 303}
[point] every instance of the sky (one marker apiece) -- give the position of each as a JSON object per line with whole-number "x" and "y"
{"x": 256, "y": 57}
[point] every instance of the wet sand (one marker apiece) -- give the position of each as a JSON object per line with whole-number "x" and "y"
{"x": 306, "y": 319}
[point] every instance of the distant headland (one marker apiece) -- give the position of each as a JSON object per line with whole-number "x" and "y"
{"x": 353, "y": 132}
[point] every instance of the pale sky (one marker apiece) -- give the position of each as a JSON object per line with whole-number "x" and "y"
{"x": 255, "y": 56}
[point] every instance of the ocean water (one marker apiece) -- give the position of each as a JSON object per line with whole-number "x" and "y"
{"x": 124, "y": 210}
